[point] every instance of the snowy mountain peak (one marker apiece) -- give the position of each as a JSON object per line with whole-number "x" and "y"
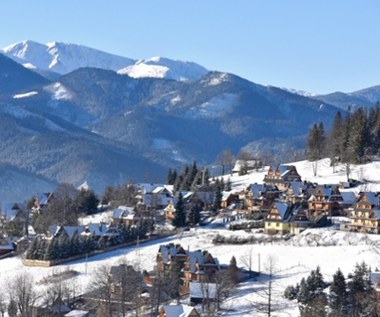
{"x": 63, "y": 57}
{"x": 161, "y": 67}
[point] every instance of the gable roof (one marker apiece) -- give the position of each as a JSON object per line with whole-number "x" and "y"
{"x": 178, "y": 310}
{"x": 202, "y": 290}
{"x": 372, "y": 198}
{"x": 257, "y": 189}
{"x": 283, "y": 210}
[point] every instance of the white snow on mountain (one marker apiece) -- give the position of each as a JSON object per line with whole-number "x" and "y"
{"x": 159, "y": 67}
{"x": 215, "y": 108}
{"x": 63, "y": 57}
{"x": 25, "y": 95}
{"x": 300, "y": 92}
{"x": 58, "y": 91}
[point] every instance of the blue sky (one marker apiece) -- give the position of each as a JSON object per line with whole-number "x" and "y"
{"x": 317, "y": 46}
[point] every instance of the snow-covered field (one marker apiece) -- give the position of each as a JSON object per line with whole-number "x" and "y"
{"x": 293, "y": 258}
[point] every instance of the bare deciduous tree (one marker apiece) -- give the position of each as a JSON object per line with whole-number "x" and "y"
{"x": 100, "y": 288}
{"x": 22, "y": 292}
{"x": 247, "y": 260}
{"x": 3, "y": 304}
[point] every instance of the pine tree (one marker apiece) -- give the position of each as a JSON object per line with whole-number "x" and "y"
{"x": 233, "y": 271}
{"x": 194, "y": 215}
{"x": 316, "y": 145}
{"x": 180, "y": 215}
{"x": 311, "y": 297}
{"x": 217, "y": 195}
{"x": 338, "y": 295}
{"x": 336, "y": 139}
{"x": 360, "y": 291}
{"x": 359, "y": 136}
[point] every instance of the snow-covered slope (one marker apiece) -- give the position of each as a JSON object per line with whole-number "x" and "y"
{"x": 159, "y": 67}
{"x": 63, "y": 57}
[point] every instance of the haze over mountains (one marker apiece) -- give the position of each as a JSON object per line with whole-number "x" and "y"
{"x": 92, "y": 116}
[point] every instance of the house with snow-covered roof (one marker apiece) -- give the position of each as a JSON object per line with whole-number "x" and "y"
{"x": 41, "y": 202}
{"x": 296, "y": 192}
{"x": 178, "y": 310}
{"x": 282, "y": 175}
{"x": 278, "y": 219}
{"x": 259, "y": 197}
{"x": 169, "y": 255}
{"x": 200, "y": 292}
{"x": 9, "y": 211}
{"x": 365, "y": 216}
{"x": 200, "y": 266}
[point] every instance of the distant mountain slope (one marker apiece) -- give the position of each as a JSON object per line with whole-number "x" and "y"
{"x": 63, "y": 58}
{"x": 193, "y": 120}
{"x": 365, "y": 97}
{"x": 15, "y": 78}
{"x": 18, "y": 185}
{"x": 158, "y": 67}
{"x": 105, "y": 128}
{"x": 62, "y": 152}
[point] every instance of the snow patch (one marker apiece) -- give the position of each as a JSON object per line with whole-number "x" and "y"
{"x": 25, "y": 95}
{"x": 217, "y": 107}
{"x": 29, "y": 66}
{"x": 175, "y": 100}
{"x": 143, "y": 70}
{"x": 162, "y": 144}
{"x": 58, "y": 91}
{"x": 216, "y": 80}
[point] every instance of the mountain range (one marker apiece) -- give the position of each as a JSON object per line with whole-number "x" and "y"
{"x": 73, "y": 114}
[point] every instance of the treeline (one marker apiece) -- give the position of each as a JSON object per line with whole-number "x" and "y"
{"x": 63, "y": 247}
{"x": 354, "y": 138}
{"x": 352, "y": 296}
{"x": 189, "y": 178}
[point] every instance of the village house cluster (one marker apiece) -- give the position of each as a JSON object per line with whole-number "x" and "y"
{"x": 283, "y": 203}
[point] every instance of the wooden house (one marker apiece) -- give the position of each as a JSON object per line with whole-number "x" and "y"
{"x": 202, "y": 292}
{"x": 228, "y": 199}
{"x": 298, "y": 221}
{"x": 320, "y": 204}
{"x": 169, "y": 255}
{"x": 178, "y": 310}
{"x": 41, "y": 202}
{"x": 296, "y": 192}
{"x": 282, "y": 175}
{"x": 260, "y": 197}
{"x": 365, "y": 216}
{"x": 200, "y": 266}
{"x": 278, "y": 218}
{"x": 169, "y": 211}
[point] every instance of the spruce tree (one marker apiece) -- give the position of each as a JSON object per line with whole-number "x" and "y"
{"x": 338, "y": 295}
{"x": 336, "y": 139}
{"x": 218, "y": 195}
{"x": 360, "y": 291}
{"x": 233, "y": 271}
{"x": 180, "y": 215}
{"x": 359, "y": 136}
